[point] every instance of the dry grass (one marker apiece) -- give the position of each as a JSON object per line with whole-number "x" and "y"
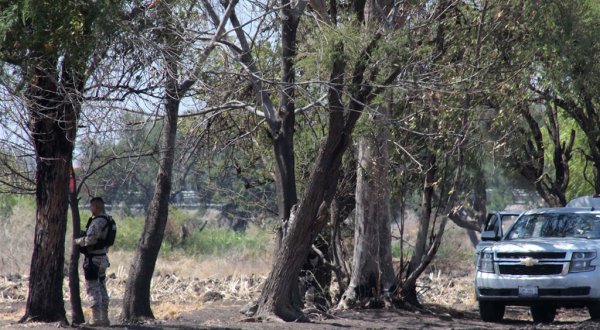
{"x": 183, "y": 283}
{"x": 173, "y": 290}
{"x": 448, "y": 289}
{"x": 449, "y": 279}
{"x": 16, "y": 240}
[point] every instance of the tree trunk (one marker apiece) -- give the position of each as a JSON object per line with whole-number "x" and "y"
{"x": 74, "y": 290}
{"x": 343, "y": 204}
{"x": 409, "y": 290}
{"x": 372, "y": 270}
{"x": 425, "y": 217}
{"x": 479, "y": 201}
{"x": 281, "y": 287}
{"x": 551, "y": 189}
{"x": 280, "y": 122}
{"x": 136, "y": 300}
{"x": 283, "y": 132}
{"x": 53, "y": 124}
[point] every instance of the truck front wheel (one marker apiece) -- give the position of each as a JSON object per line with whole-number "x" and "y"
{"x": 543, "y": 313}
{"x": 594, "y": 310}
{"x": 491, "y": 311}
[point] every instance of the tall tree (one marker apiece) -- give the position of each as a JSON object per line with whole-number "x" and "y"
{"x": 566, "y": 67}
{"x": 171, "y": 39}
{"x": 280, "y": 296}
{"x": 531, "y": 160}
{"x": 53, "y": 67}
{"x": 280, "y": 120}
{"x": 372, "y": 269}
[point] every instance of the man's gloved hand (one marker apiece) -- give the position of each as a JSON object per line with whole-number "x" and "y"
{"x": 79, "y": 241}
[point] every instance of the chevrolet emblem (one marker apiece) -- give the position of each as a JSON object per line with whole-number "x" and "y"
{"x": 529, "y": 261}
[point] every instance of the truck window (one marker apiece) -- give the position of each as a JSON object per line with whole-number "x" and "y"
{"x": 556, "y": 225}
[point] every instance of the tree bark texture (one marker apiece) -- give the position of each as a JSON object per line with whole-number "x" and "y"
{"x": 587, "y": 117}
{"x": 344, "y": 202}
{"x": 551, "y": 188}
{"x": 281, "y": 285}
{"x": 409, "y": 290}
{"x": 74, "y": 289}
{"x": 426, "y": 209}
{"x": 283, "y": 135}
{"x": 136, "y": 300}
{"x": 52, "y": 123}
{"x": 281, "y": 123}
{"x": 372, "y": 270}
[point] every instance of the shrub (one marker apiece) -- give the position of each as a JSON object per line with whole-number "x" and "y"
{"x": 220, "y": 242}
{"x": 209, "y": 241}
{"x": 129, "y": 230}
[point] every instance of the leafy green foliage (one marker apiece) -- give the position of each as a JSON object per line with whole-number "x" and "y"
{"x": 564, "y": 51}
{"x": 223, "y": 242}
{"x": 129, "y": 230}
{"x": 7, "y": 203}
{"x": 570, "y": 44}
{"x": 208, "y": 241}
{"x": 36, "y": 29}
{"x": 581, "y": 171}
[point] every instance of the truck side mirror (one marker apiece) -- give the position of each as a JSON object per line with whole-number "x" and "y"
{"x": 489, "y": 235}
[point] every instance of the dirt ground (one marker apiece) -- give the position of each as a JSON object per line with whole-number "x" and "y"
{"x": 226, "y": 315}
{"x": 182, "y": 302}
{"x": 185, "y": 296}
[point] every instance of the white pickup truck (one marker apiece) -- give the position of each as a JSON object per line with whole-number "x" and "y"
{"x": 547, "y": 259}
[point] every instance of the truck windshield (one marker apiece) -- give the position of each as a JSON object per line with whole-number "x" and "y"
{"x": 556, "y": 225}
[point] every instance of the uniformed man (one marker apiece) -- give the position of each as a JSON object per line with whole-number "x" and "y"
{"x": 96, "y": 262}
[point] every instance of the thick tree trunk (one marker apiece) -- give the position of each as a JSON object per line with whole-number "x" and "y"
{"x": 136, "y": 300}
{"x": 372, "y": 270}
{"x": 281, "y": 287}
{"x": 53, "y": 123}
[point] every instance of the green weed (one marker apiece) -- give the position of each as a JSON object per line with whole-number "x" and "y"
{"x": 221, "y": 242}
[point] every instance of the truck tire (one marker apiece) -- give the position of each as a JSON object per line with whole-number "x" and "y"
{"x": 594, "y": 310}
{"x": 543, "y": 313}
{"x": 491, "y": 311}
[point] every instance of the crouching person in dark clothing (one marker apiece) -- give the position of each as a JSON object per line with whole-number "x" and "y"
{"x": 96, "y": 261}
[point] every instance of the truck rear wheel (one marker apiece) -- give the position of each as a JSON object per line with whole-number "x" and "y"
{"x": 543, "y": 313}
{"x": 491, "y": 311}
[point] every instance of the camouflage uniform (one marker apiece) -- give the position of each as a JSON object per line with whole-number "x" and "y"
{"x": 95, "y": 265}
